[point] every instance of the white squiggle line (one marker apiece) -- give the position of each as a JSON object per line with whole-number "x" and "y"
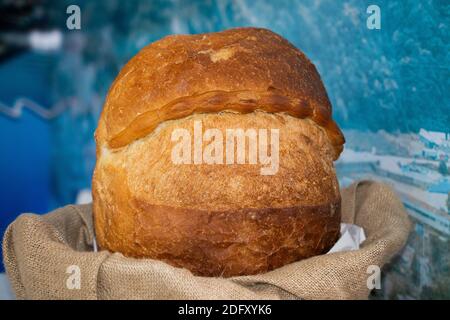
{"x": 16, "y": 110}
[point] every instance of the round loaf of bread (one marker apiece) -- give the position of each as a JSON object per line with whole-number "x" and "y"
{"x": 173, "y": 181}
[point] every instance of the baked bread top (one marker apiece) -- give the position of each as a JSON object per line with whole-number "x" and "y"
{"x": 239, "y": 70}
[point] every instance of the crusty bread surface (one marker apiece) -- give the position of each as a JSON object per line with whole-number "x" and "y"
{"x": 217, "y": 219}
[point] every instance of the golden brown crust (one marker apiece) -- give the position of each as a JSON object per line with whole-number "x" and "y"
{"x": 243, "y": 69}
{"x": 305, "y": 175}
{"x": 221, "y": 219}
{"x": 230, "y": 243}
{"x": 146, "y": 206}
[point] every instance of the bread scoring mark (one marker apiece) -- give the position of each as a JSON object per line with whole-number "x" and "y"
{"x": 221, "y": 54}
{"x": 242, "y": 101}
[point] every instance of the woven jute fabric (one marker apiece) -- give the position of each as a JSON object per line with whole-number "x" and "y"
{"x": 43, "y": 254}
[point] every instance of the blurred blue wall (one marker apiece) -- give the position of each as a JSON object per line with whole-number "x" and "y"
{"x": 25, "y": 142}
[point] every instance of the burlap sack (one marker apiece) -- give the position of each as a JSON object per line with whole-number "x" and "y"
{"x": 39, "y": 249}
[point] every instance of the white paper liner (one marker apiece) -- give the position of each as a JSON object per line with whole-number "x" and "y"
{"x": 352, "y": 236}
